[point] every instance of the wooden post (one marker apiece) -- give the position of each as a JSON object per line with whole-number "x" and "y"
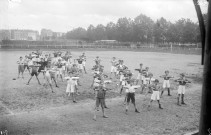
{"x": 205, "y": 115}
{"x": 202, "y": 27}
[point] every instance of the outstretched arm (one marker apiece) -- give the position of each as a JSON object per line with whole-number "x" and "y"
{"x": 162, "y": 76}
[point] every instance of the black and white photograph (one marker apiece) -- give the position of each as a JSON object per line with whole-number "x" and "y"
{"x": 105, "y": 67}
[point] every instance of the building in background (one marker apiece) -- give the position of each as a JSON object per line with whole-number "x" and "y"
{"x": 33, "y": 35}
{"x": 58, "y": 35}
{"x": 24, "y": 35}
{"x": 5, "y": 35}
{"x": 46, "y": 34}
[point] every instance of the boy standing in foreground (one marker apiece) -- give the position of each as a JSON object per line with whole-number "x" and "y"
{"x": 100, "y": 99}
{"x": 155, "y": 93}
{"x": 181, "y": 90}
{"x": 34, "y": 72}
{"x": 71, "y": 86}
{"x": 166, "y": 82}
{"x": 131, "y": 95}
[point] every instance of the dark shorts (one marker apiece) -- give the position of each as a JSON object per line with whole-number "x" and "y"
{"x": 100, "y": 101}
{"x": 40, "y": 68}
{"x": 34, "y": 73}
{"x": 131, "y": 96}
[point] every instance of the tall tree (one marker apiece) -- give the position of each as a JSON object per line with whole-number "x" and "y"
{"x": 143, "y": 28}
{"x": 124, "y": 29}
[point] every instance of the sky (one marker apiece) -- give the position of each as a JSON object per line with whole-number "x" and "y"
{"x": 65, "y": 15}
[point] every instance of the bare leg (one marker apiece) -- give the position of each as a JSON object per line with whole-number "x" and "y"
{"x": 135, "y": 108}
{"x": 22, "y": 74}
{"x": 121, "y": 89}
{"x": 55, "y": 82}
{"x": 143, "y": 87}
{"x": 29, "y": 80}
{"x": 18, "y": 72}
{"x": 125, "y": 99}
{"x": 73, "y": 97}
{"x": 61, "y": 77}
{"x": 85, "y": 69}
{"x": 161, "y": 93}
{"x": 38, "y": 80}
{"x": 95, "y": 111}
{"x": 150, "y": 103}
{"x": 126, "y": 109}
{"x": 51, "y": 87}
{"x": 159, "y": 104}
{"x": 102, "y": 106}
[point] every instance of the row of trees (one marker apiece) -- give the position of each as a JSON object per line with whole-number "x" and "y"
{"x": 140, "y": 29}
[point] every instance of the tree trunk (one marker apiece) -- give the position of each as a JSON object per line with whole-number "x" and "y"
{"x": 202, "y": 27}
{"x": 205, "y": 115}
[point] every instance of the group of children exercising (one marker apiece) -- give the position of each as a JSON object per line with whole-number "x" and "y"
{"x": 69, "y": 69}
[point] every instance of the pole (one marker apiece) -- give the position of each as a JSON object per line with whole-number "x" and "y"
{"x": 202, "y": 27}
{"x": 205, "y": 115}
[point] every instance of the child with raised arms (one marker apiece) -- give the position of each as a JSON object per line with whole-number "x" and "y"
{"x": 131, "y": 95}
{"x": 100, "y": 99}
{"x": 71, "y": 86}
{"x": 155, "y": 93}
{"x": 113, "y": 67}
{"x": 181, "y": 89}
{"x": 34, "y": 72}
{"x": 166, "y": 82}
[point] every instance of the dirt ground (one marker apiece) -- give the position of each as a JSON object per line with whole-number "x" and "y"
{"x": 33, "y": 109}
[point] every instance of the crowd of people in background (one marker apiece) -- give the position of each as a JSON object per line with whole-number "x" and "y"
{"x": 62, "y": 66}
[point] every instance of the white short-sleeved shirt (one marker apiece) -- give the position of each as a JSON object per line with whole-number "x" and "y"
{"x": 131, "y": 89}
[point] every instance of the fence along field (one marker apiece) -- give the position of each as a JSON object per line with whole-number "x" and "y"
{"x": 157, "y": 47}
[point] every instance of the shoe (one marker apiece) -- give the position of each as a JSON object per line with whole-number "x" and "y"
{"x": 74, "y": 102}
{"x": 137, "y": 111}
{"x": 94, "y": 118}
{"x": 27, "y": 84}
{"x": 53, "y": 92}
{"x": 106, "y": 107}
{"x": 105, "y": 116}
{"x": 169, "y": 94}
{"x": 57, "y": 86}
{"x": 160, "y": 106}
{"x": 126, "y": 112}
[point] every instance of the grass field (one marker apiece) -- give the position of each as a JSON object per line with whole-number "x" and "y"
{"x": 35, "y": 110}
